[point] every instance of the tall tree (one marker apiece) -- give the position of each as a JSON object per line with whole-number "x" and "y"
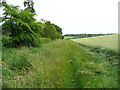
{"x": 59, "y": 31}
{"x": 50, "y": 31}
{"x": 20, "y": 25}
{"x": 2, "y": 1}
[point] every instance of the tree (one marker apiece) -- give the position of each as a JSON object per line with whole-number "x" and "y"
{"x": 59, "y": 31}
{"x": 50, "y": 31}
{"x": 20, "y": 25}
{"x": 29, "y": 4}
{"x": 2, "y": 1}
{"x": 59, "y": 36}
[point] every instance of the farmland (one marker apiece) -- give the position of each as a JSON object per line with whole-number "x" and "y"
{"x": 70, "y": 37}
{"x": 35, "y": 54}
{"x": 107, "y": 41}
{"x": 57, "y": 64}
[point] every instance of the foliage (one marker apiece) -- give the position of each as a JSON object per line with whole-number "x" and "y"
{"x": 21, "y": 26}
{"x": 1, "y": 19}
{"x": 59, "y": 31}
{"x": 24, "y": 30}
{"x": 29, "y": 6}
{"x": 50, "y": 31}
{"x": 6, "y": 41}
{"x": 59, "y": 35}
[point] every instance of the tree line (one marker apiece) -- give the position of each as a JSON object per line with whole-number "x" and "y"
{"x": 23, "y": 29}
{"x": 86, "y": 35}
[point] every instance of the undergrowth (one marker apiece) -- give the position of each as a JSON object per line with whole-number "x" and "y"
{"x": 57, "y": 64}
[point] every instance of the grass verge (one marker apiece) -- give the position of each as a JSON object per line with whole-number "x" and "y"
{"x": 58, "y": 64}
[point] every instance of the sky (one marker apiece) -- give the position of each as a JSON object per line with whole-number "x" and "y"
{"x": 78, "y": 16}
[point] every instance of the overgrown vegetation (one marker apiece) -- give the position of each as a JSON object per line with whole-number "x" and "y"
{"x": 58, "y": 64}
{"x": 111, "y": 55}
{"x": 22, "y": 29}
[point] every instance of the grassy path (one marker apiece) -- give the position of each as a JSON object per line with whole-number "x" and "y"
{"x": 58, "y": 64}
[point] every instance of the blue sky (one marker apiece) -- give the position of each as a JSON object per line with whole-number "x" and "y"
{"x": 78, "y": 16}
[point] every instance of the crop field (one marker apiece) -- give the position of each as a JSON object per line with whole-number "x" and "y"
{"x": 70, "y": 37}
{"x": 107, "y": 41}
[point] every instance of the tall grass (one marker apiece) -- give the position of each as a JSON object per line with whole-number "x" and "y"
{"x": 57, "y": 64}
{"x": 96, "y": 49}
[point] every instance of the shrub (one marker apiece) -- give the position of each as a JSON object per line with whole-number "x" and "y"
{"x": 6, "y": 41}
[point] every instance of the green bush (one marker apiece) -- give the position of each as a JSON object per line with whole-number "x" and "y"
{"x": 6, "y": 41}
